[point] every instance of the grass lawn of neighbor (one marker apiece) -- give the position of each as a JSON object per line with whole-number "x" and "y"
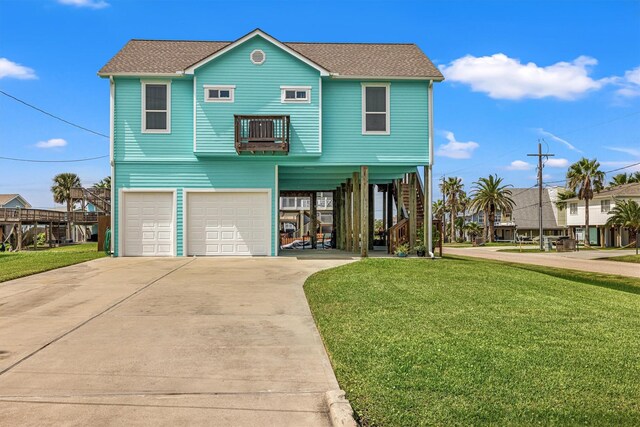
{"x": 461, "y": 341}
{"x": 25, "y": 263}
{"x": 625, "y": 258}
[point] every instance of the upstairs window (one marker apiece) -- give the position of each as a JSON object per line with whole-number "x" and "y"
{"x": 300, "y": 94}
{"x": 375, "y": 109}
{"x": 219, "y": 93}
{"x": 156, "y": 107}
{"x": 605, "y": 206}
{"x": 573, "y": 209}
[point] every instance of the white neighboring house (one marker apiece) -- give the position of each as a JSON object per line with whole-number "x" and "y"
{"x": 599, "y": 208}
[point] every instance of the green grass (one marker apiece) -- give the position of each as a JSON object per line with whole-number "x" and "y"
{"x": 462, "y": 341}
{"x": 625, "y": 258}
{"x": 20, "y": 264}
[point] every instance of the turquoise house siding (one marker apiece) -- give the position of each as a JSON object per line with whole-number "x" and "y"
{"x": 132, "y": 144}
{"x": 193, "y": 175}
{"x": 343, "y": 141}
{"x": 257, "y": 92}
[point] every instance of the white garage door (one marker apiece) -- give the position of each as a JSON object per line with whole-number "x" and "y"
{"x": 226, "y": 223}
{"x": 148, "y": 224}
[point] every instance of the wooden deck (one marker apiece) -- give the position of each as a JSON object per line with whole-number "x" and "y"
{"x": 10, "y": 216}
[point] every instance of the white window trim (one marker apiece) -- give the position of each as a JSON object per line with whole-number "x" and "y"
{"x": 143, "y": 86}
{"x": 230, "y": 88}
{"x": 306, "y": 89}
{"x": 604, "y": 203}
{"x": 570, "y": 206}
{"x": 364, "y": 105}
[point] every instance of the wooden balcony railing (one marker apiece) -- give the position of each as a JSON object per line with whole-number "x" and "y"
{"x": 259, "y": 134}
{"x": 398, "y": 234}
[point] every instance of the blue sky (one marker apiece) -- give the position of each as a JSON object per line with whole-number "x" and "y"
{"x": 516, "y": 71}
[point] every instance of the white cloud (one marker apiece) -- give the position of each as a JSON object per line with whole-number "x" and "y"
{"x": 456, "y": 149}
{"x": 519, "y": 165}
{"x": 630, "y": 151}
{"x": 556, "y": 163}
{"x": 52, "y": 143}
{"x": 16, "y": 71}
{"x": 92, "y": 4}
{"x": 557, "y": 138}
{"x": 629, "y": 83}
{"x": 502, "y": 77}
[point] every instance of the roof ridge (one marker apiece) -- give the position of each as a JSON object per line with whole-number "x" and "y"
{"x": 285, "y": 42}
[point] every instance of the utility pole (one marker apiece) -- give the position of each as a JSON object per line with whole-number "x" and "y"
{"x": 540, "y": 156}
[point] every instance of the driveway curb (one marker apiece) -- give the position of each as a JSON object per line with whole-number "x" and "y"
{"x": 340, "y": 410}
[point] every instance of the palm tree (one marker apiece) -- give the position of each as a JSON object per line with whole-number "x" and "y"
{"x": 452, "y": 189}
{"x": 626, "y": 213}
{"x": 624, "y": 178}
{"x": 104, "y": 183}
{"x": 473, "y": 229}
{"x": 489, "y": 195}
{"x": 585, "y": 178}
{"x": 563, "y": 196}
{"x": 61, "y": 189}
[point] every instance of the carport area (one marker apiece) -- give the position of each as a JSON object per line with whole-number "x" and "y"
{"x": 177, "y": 341}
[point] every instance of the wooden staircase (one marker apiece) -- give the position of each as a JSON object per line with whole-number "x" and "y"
{"x": 406, "y": 196}
{"x": 399, "y": 233}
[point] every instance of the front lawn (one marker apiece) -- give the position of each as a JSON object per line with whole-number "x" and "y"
{"x": 466, "y": 341}
{"x": 625, "y": 258}
{"x": 25, "y": 263}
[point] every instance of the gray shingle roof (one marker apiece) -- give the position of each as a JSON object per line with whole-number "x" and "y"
{"x": 345, "y": 59}
{"x": 525, "y": 212}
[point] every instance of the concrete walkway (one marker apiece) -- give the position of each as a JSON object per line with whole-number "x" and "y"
{"x": 148, "y": 341}
{"x": 583, "y": 260}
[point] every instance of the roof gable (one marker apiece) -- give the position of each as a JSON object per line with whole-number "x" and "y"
{"x": 256, "y": 33}
{"x": 5, "y": 199}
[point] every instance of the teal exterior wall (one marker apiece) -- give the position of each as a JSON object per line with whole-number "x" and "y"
{"x": 194, "y": 175}
{"x": 257, "y": 92}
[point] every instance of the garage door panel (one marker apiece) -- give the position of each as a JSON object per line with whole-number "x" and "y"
{"x": 221, "y": 223}
{"x": 148, "y": 224}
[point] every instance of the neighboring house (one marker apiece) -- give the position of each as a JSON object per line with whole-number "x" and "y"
{"x": 206, "y": 135}
{"x": 599, "y": 208}
{"x": 523, "y": 220}
{"x": 11, "y": 201}
{"x": 295, "y": 210}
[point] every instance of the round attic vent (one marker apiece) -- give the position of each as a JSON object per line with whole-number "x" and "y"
{"x": 258, "y": 57}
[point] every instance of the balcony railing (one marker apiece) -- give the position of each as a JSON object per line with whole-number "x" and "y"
{"x": 259, "y": 134}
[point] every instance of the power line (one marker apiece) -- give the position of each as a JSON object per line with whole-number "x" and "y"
{"x": 606, "y": 172}
{"x": 86, "y": 159}
{"x": 53, "y": 115}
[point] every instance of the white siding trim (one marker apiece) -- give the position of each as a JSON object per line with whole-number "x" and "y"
{"x": 319, "y": 116}
{"x": 112, "y": 160}
{"x": 276, "y": 218}
{"x": 185, "y": 194}
{"x": 195, "y": 113}
{"x": 121, "y": 212}
{"x": 191, "y": 69}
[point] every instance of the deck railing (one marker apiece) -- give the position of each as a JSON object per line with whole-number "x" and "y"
{"x": 262, "y": 134}
{"x": 398, "y": 234}
{"x": 11, "y": 215}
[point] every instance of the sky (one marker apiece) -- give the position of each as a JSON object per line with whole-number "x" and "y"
{"x": 563, "y": 72}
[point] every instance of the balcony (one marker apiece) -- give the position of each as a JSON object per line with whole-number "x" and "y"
{"x": 261, "y": 134}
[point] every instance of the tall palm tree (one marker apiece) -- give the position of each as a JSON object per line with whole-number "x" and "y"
{"x": 104, "y": 183}
{"x": 452, "y": 189}
{"x": 61, "y": 189}
{"x": 490, "y": 195}
{"x": 585, "y": 178}
{"x": 626, "y": 213}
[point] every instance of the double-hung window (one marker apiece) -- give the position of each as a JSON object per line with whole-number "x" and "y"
{"x": 573, "y": 209}
{"x": 156, "y": 107}
{"x": 219, "y": 93}
{"x": 605, "y": 206}
{"x": 299, "y": 94}
{"x": 375, "y": 109}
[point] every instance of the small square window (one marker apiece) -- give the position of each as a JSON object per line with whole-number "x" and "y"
{"x": 295, "y": 94}
{"x": 219, "y": 93}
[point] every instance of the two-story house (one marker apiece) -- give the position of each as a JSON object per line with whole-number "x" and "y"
{"x": 599, "y": 208}
{"x": 206, "y": 136}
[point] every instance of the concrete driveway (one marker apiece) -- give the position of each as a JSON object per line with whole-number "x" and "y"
{"x": 149, "y": 341}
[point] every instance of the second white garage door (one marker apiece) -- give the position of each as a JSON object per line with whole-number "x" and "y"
{"x": 228, "y": 223}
